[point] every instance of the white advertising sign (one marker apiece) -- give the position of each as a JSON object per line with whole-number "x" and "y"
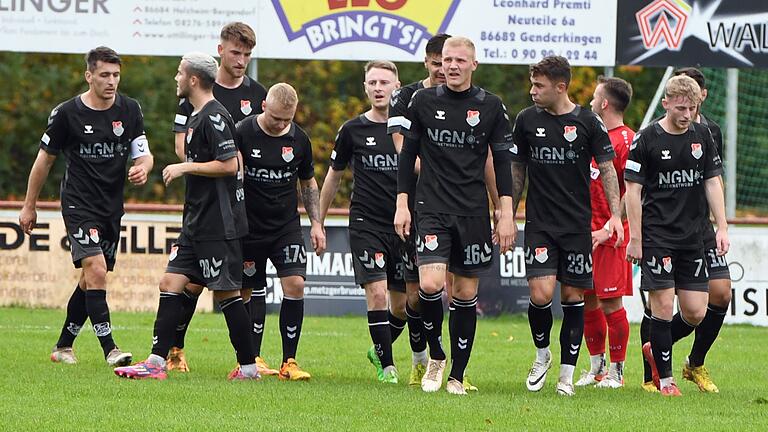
{"x": 504, "y": 31}
{"x": 749, "y": 274}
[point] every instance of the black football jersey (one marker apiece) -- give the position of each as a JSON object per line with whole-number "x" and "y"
{"x": 452, "y": 132}
{"x": 273, "y": 165}
{"x": 557, "y": 151}
{"x": 214, "y": 207}
{"x": 398, "y": 106}
{"x": 672, "y": 170}
{"x": 240, "y": 102}
{"x": 96, "y": 146}
{"x": 366, "y": 146}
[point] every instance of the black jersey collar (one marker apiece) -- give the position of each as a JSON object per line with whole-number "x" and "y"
{"x": 291, "y": 134}
{"x": 576, "y": 111}
{"x": 81, "y": 105}
{"x": 443, "y": 89}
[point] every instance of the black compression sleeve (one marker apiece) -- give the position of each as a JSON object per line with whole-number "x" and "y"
{"x": 502, "y": 166}
{"x": 406, "y": 177}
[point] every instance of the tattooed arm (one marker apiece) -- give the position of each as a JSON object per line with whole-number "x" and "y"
{"x": 611, "y": 188}
{"x": 518, "y": 184}
{"x": 310, "y": 196}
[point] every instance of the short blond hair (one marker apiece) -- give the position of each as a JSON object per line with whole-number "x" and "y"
{"x": 380, "y": 64}
{"x": 683, "y": 86}
{"x": 283, "y": 94}
{"x": 461, "y": 41}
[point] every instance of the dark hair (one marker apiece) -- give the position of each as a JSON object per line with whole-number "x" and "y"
{"x": 238, "y": 32}
{"x": 617, "y": 91}
{"x": 435, "y": 43}
{"x": 693, "y": 73}
{"x": 101, "y": 54}
{"x": 556, "y": 68}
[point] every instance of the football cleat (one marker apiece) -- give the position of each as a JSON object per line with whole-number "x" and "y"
{"x": 455, "y": 387}
{"x": 119, "y": 358}
{"x": 417, "y": 373}
{"x": 142, "y": 370}
{"x": 264, "y": 369}
{"x": 63, "y": 355}
{"x": 237, "y": 375}
{"x": 538, "y": 374}
{"x": 433, "y": 377}
{"x": 565, "y": 388}
{"x": 290, "y": 371}
{"x": 649, "y": 386}
{"x": 648, "y": 354}
{"x": 376, "y": 362}
{"x": 469, "y": 386}
{"x": 671, "y": 390}
{"x": 177, "y": 361}
{"x": 390, "y": 376}
{"x": 590, "y": 378}
{"x": 699, "y": 375}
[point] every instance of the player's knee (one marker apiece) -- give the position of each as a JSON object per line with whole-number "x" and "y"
{"x": 166, "y": 284}
{"x": 610, "y": 306}
{"x": 95, "y": 273}
{"x": 694, "y": 317}
{"x": 720, "y": 293}
{"x": 431, "y": 285}
{"x": 194, "y": 289}
{"x": 377, "y": 299}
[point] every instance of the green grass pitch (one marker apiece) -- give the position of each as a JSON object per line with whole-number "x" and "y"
{"x": 36, "y": 394}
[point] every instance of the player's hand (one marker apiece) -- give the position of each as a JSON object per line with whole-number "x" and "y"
{"x": 599, "y": 237}
{"x": 27, "y": 219}
{"x": 634, "y": 251}
{"x": 615, "y": 226}
{"x": 723, "y": 243}
{"x": 137, "y": 175}
{"x": 317, "y": 237}
{"x": 402, "y": 222}
{"x": 505, "y": 232}
{"x": 172, "y": 171}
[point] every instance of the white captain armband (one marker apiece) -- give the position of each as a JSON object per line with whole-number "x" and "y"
{"x": 140, "y": 147}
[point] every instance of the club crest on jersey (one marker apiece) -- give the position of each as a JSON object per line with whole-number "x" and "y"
{"x": 378, "y": 257}
{"x": 249, "y": 268}
{"x": 189, "y": 135}
{"x": 667, "y": 263}
{"x": 174, "y": 252}
{"x": 245, "y": 107}
{"x": 430, "y": 241}
{"x": 473, "y": 118}
{"x": 541, "y": 255}
{"x": 696, "y": 150}
{"x": 93, "y": 233}
{"x": 117, "y": 128}
{"x": 287, "y": 154}
{"x": 569, "y": 133}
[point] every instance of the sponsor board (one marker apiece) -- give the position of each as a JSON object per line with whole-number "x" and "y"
{"x": 714, "y": 33}
{"x": 504, "y": 31}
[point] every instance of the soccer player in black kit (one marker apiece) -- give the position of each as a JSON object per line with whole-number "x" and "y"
{"x": 555, "y": 141}
{"x": 378, "y": 254}
{"x": 277, "y": 154}
{"x": 719, "y": 278}
{"x": 208, "y": 251}
{"x": 451, "y": 128}
{"x": 96, "y": 132}
{"x": 673, "y": 167}
{"x": 241, "y": 96}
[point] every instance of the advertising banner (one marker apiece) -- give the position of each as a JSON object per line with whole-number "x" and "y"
{"x": 504, "y": 31}
{"x": 712, "y": 33}
{"x": 37, "y": 271}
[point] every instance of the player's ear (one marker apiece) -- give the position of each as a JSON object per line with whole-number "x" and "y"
{"x": 88, "y": 76}
{"x": 220, "y": 49}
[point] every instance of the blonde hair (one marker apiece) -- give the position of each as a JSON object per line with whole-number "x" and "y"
{"x": 683, "y": 86}
{"x": 460, "y": 41}
{"x": 380, "y": 64}
{"x": 283, "y": 94}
